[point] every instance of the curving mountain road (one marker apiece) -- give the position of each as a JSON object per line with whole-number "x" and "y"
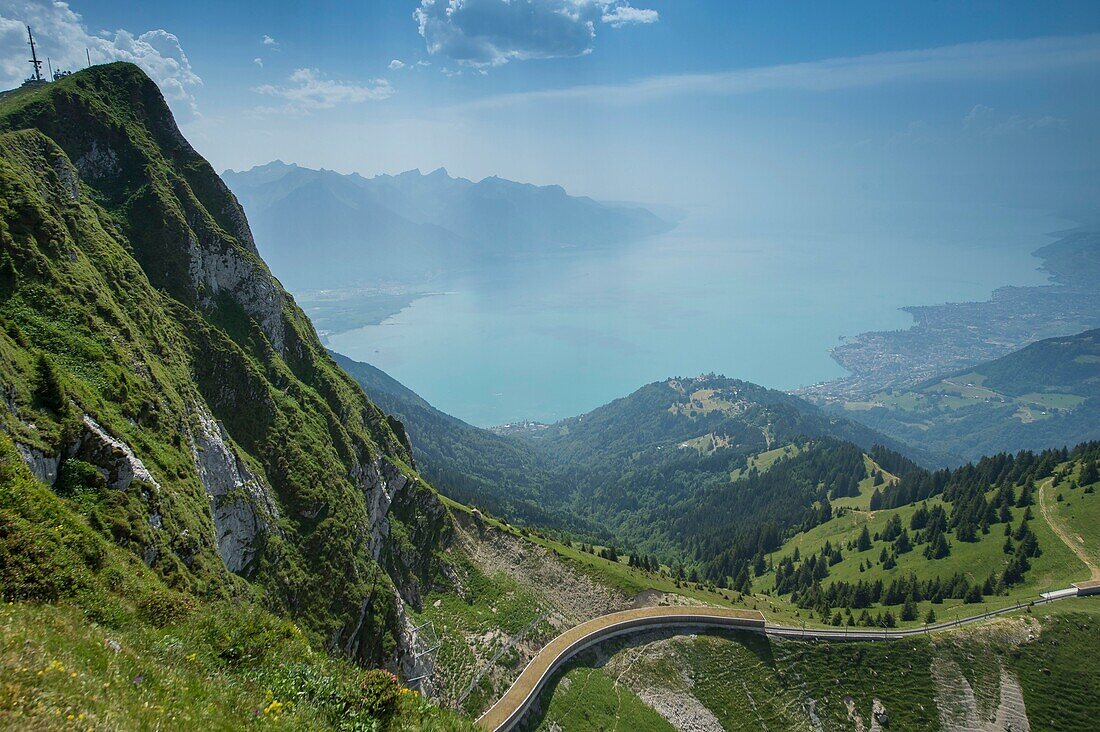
{"x": 521, "y": 696}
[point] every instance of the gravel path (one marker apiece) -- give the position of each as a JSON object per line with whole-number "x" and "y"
{"x": 1071, "y": 541}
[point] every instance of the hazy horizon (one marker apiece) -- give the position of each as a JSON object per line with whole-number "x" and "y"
{"x": 919, "y": 144}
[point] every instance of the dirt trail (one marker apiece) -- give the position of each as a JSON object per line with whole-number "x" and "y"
{"x": 1060, "y": 530}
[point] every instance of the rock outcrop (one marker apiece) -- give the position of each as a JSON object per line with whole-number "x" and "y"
{"x": 241, "y": 503}
{"x": 115, "y": 459}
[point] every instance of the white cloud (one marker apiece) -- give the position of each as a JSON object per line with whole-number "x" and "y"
{"x": 258, "y": 61}
{"x": 987, "y": 123}
{"x": 484, "y": 33}
{"x": 987, "y": 60}
{"x": 60, "y": 34}
{"x": 619, "y": 15}
{"x": 397, "y": 64}
{"x": 308, "y": 90}
{"x": 269, "y": 41}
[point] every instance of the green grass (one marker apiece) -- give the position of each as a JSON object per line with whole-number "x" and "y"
{"x": 221, "y": 668}
{"x": 866, "y": 487}
{"x": 1079, "y": 513}
{"x": 1060, "y": 690}
{"x": 104, "y": 288}
{"x": 1053, "y": 400}
{"x": 590, "y": 699}
{"x": 92, "y": 638}
{"x": 766, "y": 459}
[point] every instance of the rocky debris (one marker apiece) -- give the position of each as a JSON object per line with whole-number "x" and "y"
{"x": 410, "y": 560}
{"x": 112, "y": 456}
{"x": 879, "y": 718}
{"x": 565, "y": 597}
{"x": 675, "y": 702}
{"x": 416, "y": 658}
{"x": 958, "y": 705}
{"x": 1014, "y": 631}
{"x": 656, "y": 598}
{"x": 97, "y": 162}
{"x": 811, "y": 710}
{"x": 1011, "y": 712}
{"x": 380, "y": 482}
{"x": 955, "y": 699}
{"x": 67, "y": 178}
{"x": 241, "y": 503}
{"x": 853, "y": 714}
{"x": 573, "y": 596}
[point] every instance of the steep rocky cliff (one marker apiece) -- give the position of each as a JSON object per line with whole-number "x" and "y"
{"x": 144, "y": 343}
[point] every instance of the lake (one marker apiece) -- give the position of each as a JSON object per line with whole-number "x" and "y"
{"x": 558, "y": 335}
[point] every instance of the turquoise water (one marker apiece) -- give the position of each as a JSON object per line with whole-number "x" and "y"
{"x": 556, "y": 336}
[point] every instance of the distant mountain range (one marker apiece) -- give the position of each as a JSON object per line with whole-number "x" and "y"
{"x": 1044, "y": 395}
{"x": 321, "y": 229}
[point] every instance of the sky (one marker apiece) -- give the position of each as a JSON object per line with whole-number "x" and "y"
{"x": 770, "y": 110}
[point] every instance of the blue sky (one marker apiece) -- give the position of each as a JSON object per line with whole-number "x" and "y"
{"x": 755, "y": 105}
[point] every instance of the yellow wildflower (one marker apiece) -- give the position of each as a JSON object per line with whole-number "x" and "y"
{"x": 274, "y": 708}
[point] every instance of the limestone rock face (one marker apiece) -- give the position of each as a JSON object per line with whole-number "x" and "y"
{"x": 241, "y": 503}
{"x": 381, "y": 481}
{"x": 217, "y": 267}
{"x": 42, "y": 465}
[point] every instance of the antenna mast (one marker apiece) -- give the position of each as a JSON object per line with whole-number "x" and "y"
{"x": 37, "y": 76}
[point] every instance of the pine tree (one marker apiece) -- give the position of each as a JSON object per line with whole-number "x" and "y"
{"x": 864, "y": 541}
{"x": 49, "y": 391}
{"x": 903, "y": 545}
{"x": 1090, "y": 473}
{"x": 938, "y": 548}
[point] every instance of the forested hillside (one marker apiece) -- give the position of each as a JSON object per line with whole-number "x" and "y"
{"x": 691, "y": 471}
{"x": 983, "y": 532}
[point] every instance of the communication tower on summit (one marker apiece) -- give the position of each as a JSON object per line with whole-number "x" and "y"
{"x": 37, "y": 74}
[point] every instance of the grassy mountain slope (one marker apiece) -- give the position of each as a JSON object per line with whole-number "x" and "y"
{"x": 214, "y": 503}
{"x": 92, "y": 638}
{"x": 1001, "y": 520}
{"x": 1046, "y": 394}
{"x": 153, "y": 366}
